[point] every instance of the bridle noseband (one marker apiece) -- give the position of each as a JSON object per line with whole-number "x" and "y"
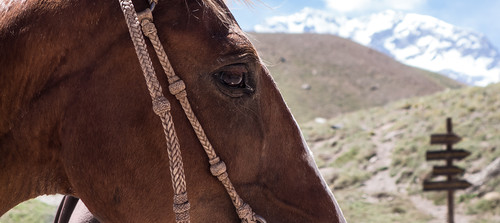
{"x": 161, "y": 106}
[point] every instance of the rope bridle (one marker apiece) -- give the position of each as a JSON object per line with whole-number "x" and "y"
{"x": 161, "y": 106}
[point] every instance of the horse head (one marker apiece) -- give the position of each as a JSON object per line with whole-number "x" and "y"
{"x": 105, "y": 145}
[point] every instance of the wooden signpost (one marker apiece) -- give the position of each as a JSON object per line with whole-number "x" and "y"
{"x": 457, "y": 154}
{"x": 449, "y": 170}
{"x": 446, "y": 170}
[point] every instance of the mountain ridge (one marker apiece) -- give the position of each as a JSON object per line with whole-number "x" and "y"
{"x": 414, "y": 39}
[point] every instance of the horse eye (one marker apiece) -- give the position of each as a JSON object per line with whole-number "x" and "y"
{"x": 233, "y": 76}
{"x": 231, "y": 79}
{"x": 235, "y": 80}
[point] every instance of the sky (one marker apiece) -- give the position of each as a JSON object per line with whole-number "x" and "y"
{"x": 479, "y": 15}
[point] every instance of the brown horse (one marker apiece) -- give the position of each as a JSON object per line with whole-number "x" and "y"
{"x": 76, "y": 117}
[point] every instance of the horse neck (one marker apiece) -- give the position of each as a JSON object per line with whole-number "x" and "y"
{"x": 43, "y": 46}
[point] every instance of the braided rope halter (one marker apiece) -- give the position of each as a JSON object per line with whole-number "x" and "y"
{"x": 161, "y": 106}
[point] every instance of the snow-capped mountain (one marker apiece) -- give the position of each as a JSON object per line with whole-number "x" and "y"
{"x": 417, "y": 40}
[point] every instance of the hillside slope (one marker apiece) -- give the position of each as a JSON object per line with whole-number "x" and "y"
{"x": 324, "y": 75}
{"x": 374, "y": 159}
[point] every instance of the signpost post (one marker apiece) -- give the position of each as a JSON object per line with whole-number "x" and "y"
{"x": 449, "y": 170}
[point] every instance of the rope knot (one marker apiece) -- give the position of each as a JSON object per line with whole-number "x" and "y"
{"x": 145, "y": 15}
{"x": 218, "y": 169}
{"x": 180, "y": 198}
{"x": 214, "y": 160}
{"x": 246, "y": 214}
{"x": 182, "y": 217}
{"x": 181, "y": 207}
{"x": 146, "y": 19}
{"x": 161, "y": 106}
{"x": 148, "y": 28}
{"x": 177, "y": 87}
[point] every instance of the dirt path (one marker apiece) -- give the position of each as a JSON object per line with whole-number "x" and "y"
{"x": 381, "y": 181}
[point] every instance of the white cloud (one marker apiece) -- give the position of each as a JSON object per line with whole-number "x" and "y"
{"x": 404, "y": 5}
{"x": 348, "y": 6}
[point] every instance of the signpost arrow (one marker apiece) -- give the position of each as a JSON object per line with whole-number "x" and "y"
{"x": 446, "y": 185}
{"x": 446, "y": 170}
{"x": 448, "y": 138}
{"x": 457, "y": 154}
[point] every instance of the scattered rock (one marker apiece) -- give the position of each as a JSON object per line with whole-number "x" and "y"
{"x": 382, "y": 195}
{"x": 398, "y": 210}
{"x": 306, "y": 87}
{"x": 406, "y": 106}
{"x": 489, "y": 172}
{"x": 492, "y": 196}
{"x": 320, "y": 120}
{"x": 493, "y": 148}
{"x": 314, "y": 72}
{"x": 282, "y": 59}
{"x": 337, "y": 126}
